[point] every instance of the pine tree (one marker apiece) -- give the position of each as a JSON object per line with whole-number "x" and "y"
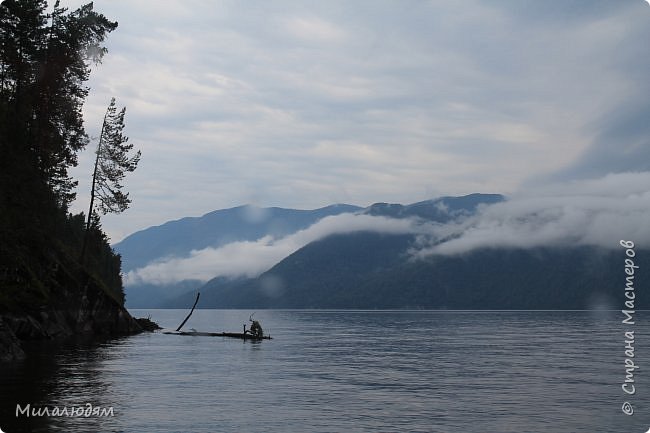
{"x": 112, "y": 162}
{"x": 45, "y": 60}
{"x": 46, "y": 56}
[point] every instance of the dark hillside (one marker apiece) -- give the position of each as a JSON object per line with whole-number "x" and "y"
{"x": 46, "y": 290}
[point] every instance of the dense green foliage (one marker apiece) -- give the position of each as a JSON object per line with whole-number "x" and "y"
{"x": 45, "y": 59}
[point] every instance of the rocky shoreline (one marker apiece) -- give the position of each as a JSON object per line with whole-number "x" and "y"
{"x": 93, "y": 313}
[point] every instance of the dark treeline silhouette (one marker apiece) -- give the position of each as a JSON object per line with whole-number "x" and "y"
{"x": 45, "y": 58}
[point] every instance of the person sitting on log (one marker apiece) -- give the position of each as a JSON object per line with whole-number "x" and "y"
{"x": 256, "y": 329}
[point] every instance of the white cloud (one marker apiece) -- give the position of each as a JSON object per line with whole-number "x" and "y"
{"x": 250, "y": 258}
{"x": 597, "y": 212}
{"x": 302, "y": 105}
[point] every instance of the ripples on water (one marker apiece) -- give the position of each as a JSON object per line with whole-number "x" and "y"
{"x": 334, "y": 371}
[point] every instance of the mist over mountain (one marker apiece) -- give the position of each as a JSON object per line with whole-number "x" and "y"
{"x": 178, "y": 239}
{"x": 372, "y": 271}
{"x": 345, "y": 257}
{"x": 165, "y": 261}
{"x": 220, "y": 227}
{"x": 560, "y": 251}
{"x": 554, "y": 250}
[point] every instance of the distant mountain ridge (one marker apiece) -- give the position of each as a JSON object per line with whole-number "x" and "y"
{"x": 371, "y": 270}
{"x": 440, "y": 209}
{"x": 246, "y": 223}
{"x": 178, "y": 238}
{"x": 332, "y": 272}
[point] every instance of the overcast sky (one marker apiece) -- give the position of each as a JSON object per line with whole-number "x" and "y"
{"x": 307, "y": 103}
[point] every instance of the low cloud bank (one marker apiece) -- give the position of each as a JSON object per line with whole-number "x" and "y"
{"x": 597, "y": 212}
{"x": 251, "y": 258}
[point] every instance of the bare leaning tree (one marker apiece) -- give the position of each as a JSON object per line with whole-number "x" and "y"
{"x": 112, "y": 162}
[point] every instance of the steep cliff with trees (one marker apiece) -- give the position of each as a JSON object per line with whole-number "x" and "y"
{"x": 46, "y": 290}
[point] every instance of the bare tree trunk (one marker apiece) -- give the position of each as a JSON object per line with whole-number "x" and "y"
{"x": 188, "y": 316}
{"x": 92, "y": 194}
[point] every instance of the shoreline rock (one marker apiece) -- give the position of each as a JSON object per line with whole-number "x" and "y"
{"x": 147, "y": 324}
{"x": 10, "y": 349}
{"x": 92, "y": 312}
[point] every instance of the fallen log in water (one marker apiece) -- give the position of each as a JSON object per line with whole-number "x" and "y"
{"x": 257, "y": 334}
{"x": 239, "y": 335}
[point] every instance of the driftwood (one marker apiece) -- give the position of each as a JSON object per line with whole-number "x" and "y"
{"x": 188, "y": 316}
{"x": 240, "y": 335}
{"x": 255, "y": 333}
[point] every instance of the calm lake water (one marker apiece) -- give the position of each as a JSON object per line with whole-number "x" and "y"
{"x": 344, "y": 371}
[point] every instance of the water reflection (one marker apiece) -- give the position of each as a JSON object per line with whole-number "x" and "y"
{"x": 63, "y": 374}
